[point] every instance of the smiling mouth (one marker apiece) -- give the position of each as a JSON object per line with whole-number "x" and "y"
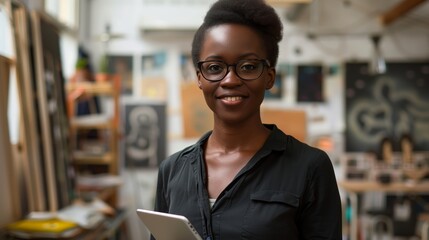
{"x": 232, "y": 99}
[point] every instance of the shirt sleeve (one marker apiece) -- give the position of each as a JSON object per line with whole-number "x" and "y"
{"x": 160, "y": 200}
{"x": 321, "y": 216}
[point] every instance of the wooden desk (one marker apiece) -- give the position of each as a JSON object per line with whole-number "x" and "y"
{"x": 353, "y": 188}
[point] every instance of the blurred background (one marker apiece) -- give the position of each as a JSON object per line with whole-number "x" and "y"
{"x": 96, "y": 93}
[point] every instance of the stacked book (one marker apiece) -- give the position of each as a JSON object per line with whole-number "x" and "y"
{"x": 44, "y": 228}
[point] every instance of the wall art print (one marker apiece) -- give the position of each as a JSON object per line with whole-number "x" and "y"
{"x": 122, "y": 65}
{"x": 145, "y": 143}
{"x": 187, "y": 69}
{"x": 153, "y": 64}
{"x": 310, "y": 83}
{"x": 389, "y": 105}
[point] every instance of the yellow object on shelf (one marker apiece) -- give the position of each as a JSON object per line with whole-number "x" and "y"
{"x": 43, "y": 228}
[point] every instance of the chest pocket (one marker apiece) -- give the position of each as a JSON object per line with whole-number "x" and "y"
{"x": 275, "y": 197}
{"x": 271, "y": 215}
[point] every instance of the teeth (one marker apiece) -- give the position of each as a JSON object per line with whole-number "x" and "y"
{"x": 231, "y": 99}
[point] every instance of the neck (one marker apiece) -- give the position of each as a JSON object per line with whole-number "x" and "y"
{"x": 241, "y": 137}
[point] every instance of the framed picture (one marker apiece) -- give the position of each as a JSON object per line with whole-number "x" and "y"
{"x": 145, "y": 140}
{"x": 153, "y": 64}
{"x": 197, "y": 116}
{"x": 187, "y": 68}
{"x": 391, "y": 105}
{"x": 310, "y": 83}
{"x": 283, "y": 119}
{"x": 123, "y": 66}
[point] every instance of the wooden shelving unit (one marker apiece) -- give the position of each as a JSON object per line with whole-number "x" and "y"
{"x": 106, "y": 155}
{"x": 109, "y": 124}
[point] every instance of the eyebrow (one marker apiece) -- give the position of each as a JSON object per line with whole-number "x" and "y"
{"x": 241, "y": 57}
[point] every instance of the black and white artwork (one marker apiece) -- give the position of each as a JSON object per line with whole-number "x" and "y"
{"x": 391, "y": 105}
{"x": 145, "y": 133}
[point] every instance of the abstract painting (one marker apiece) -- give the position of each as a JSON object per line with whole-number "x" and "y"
{"x": 390, "y": 105}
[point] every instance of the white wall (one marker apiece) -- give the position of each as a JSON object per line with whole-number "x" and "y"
{"x": 344, "y": 38}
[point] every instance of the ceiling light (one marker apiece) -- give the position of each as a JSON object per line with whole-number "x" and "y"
{"x": 378, "y": 64}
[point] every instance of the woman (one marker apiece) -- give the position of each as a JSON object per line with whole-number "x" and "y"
{"x": 246, "y": 179}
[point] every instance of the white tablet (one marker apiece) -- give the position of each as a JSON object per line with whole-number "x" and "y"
{"x": 167, "y": 226}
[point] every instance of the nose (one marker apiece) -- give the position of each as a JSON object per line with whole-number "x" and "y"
{"x": 231, "y": 79}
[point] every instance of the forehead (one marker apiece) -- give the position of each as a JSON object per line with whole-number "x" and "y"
{"x": 231, "y": 41}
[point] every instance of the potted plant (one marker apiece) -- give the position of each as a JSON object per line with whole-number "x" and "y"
{"x": 81, "y": 71}
{"x": 103, "y": 71}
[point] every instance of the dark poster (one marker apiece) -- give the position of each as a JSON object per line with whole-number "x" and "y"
{"x": 145, "y": 134}
{"x": 388, "y": 105}
{"x": 310, "y": 83}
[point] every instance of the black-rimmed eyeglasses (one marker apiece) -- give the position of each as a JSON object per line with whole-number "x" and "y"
{"x": 247, "y": 69}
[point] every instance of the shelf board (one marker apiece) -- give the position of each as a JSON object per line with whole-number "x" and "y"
{"x": 92, "y": 121}
{"x": 81, "y": 158}
{"x": 92, "y": 88}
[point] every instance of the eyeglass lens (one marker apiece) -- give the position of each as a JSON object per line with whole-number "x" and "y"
{"x": 245, "y": 69}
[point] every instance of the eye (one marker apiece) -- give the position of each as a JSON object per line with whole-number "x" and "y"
{"x": 214, "y": 67}
{"x": 249, "y": 66}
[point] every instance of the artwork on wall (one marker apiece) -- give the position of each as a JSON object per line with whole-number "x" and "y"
{"x": 282, "y": 119}
{"x": 145, "y": 141}
{"x": 154, "y": 88}
{"x": 197, "y": 117}
{"x": 153, "y": 64}
{"x": 123, "y": 66}
{"x": 153, "y": 84}
{"x": 390, "y": 105}
{"x": 187, "y": 68}
{"x": 309, "y": 83}
{"x": 286, "y": 69}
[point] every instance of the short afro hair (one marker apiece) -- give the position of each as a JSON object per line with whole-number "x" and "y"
{"x": 255, "y": 14}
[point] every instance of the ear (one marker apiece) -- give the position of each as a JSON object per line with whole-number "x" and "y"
{"x": 199, "y": 80}
{"x": 271, "y": 78}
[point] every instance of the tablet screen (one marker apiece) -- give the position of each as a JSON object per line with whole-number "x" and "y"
{"x": 167, "y": 226}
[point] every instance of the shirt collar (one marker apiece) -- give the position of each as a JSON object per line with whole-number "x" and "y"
{"x": 276, "y": 140}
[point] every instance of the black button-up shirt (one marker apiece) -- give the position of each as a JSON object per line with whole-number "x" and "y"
{"x": 287, "y": 190}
